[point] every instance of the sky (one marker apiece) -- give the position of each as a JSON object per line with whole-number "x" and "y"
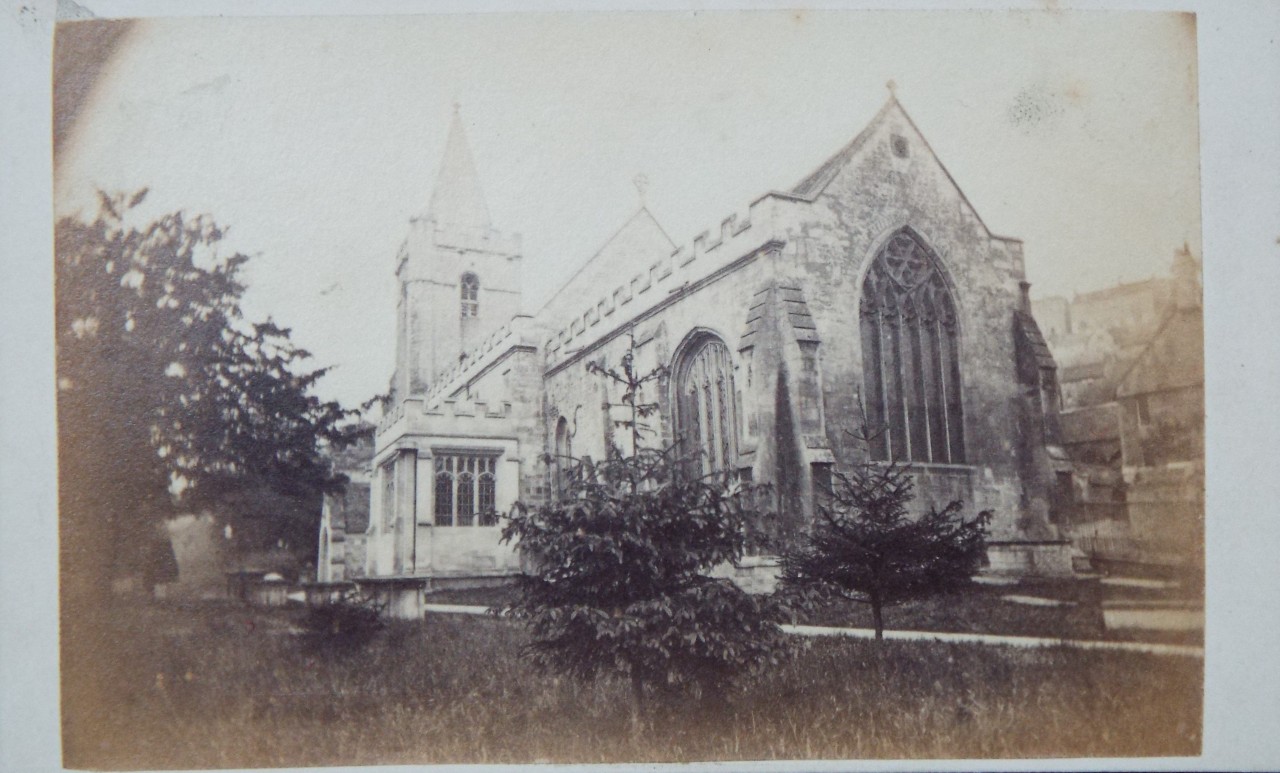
{"x": 316, "y": 139}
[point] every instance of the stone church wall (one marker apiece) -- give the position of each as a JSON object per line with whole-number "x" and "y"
{"x": 873, "y": 195}
{"x": 717, "y": 307}
{"x": 823, "y": 249}
{"x": 780, "y": 285}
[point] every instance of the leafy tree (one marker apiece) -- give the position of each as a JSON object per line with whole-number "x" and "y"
{"x": 866, "y": 547}
{"x": 619, "y": 582}
{"x": 249, "y": 437}
{"x": 168, "y": 399}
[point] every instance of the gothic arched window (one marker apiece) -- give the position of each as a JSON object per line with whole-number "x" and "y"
{"x": 470, "y": 295}
{"x": 911, "y": 357}
{"x": 563, "y": 462}
{"x": 706, "y": 414}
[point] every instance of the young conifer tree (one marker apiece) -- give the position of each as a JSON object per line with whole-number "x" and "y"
{"x": 867, "y": 547}
{"x": 620, "y": 580}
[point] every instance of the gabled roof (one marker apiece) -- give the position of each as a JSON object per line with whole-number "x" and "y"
{"x": 1173, "y": 359}
{"x": 1032, "y": 352}
{"x": 813, "y": 185}
{"x": 634, "y": 246}
{"x": 457, "y": 201}
{"x": 818, "y": 180}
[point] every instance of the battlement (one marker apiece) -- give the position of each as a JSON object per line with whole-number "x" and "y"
{"x": 738, "y": 234}
{"x": 416, "y": 416}
{"x": 468, "y": 409}
{"x": 513, "y": 333}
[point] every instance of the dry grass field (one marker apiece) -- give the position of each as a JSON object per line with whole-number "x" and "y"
{"x": 219, "y": 685}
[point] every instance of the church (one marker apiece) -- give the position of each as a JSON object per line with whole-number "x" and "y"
{"x": 870, "y": 294}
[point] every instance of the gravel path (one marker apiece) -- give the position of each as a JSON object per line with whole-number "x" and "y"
{"x": 966, "y": 638}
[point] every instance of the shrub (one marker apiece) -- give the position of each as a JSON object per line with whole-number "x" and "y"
{"x": 344, "y": 624}
{"x": 620, "y": 571}
{"x": 866, "y": 547}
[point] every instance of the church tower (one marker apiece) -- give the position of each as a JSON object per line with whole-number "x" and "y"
{"x": 459, "y": 279}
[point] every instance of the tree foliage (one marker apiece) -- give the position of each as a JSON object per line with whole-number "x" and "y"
{"x": 619, "y": 579}
{"x": 866, "y": 546}
{"x": 168, "y": 399}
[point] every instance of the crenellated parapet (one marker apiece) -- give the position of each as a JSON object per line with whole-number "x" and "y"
{"x": 517, "y": 332}
{"x": 417, "y": 417}
{"x": 741, "y": 233}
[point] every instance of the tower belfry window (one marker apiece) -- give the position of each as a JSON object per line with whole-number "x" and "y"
{"x": 911, "y": 357}
{"x": 470, "y": 295}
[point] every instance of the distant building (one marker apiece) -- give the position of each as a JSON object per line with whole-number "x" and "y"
{"x": 1133, "y": 426}
{"x": 1095, "y": 336}
{"x": 344, "y": 517}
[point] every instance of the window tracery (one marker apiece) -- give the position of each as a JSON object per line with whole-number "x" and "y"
{"x": 465, "y": 490}
{"x": 911, "y": 359}
{"x": 706, "y": 414}
{"x": 470, "y": 295}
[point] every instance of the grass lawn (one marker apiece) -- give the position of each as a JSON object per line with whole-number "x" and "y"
{"x": 217, "y": 685}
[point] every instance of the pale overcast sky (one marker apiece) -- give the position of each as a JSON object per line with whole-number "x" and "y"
{"x": 315, "y": 139}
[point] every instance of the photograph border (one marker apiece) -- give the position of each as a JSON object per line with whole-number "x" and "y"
{"x": 1239, "y": 112}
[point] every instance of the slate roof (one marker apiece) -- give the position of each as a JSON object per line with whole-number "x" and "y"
{"x": 634, "y": 246}
{"x": 1173, "y": 359}
{"x": 1084, "y": 371}
{"x": 1090, "y": 425}
{"x": 1032, "y": 343}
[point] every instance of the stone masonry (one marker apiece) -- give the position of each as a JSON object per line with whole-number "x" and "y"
{"x": 776, "y": 286}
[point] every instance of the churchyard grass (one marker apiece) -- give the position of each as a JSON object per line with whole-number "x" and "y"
{"x": 218, "y": 685}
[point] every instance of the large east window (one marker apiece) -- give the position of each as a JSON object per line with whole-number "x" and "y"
{"x": 911, "y": 356}
{"x": 466, "y": 490}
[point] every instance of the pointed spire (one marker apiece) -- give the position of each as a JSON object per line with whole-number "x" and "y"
{"x": 457, "y": 201}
